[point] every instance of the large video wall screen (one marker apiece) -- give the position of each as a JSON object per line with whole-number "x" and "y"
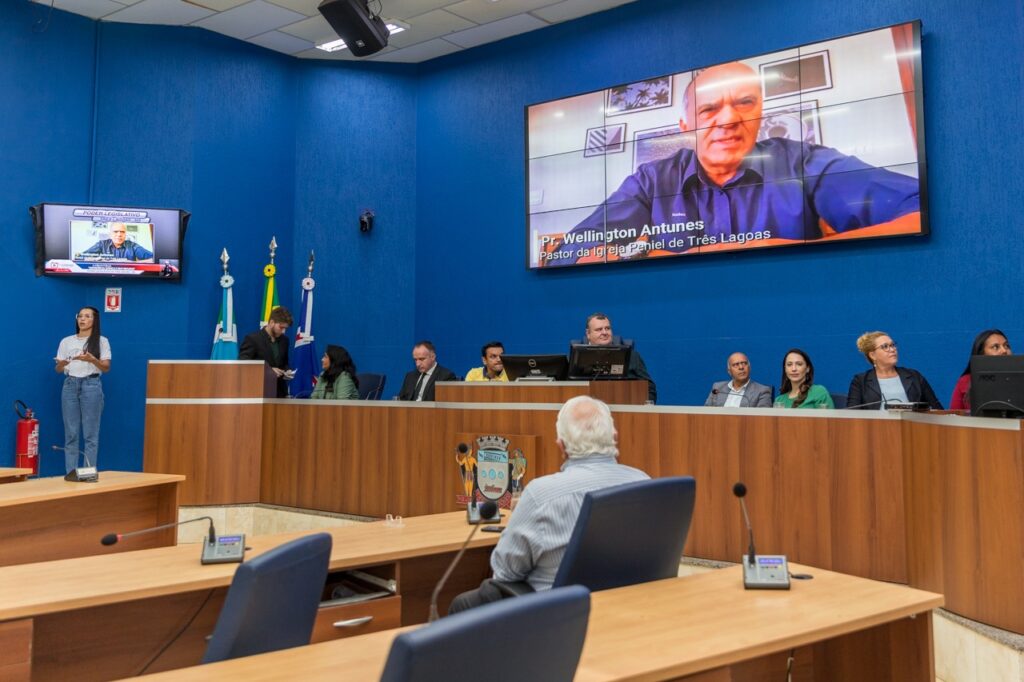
{"x": 812, "y": 144}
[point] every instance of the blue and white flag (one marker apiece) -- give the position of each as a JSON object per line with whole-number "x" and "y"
{"x": 307, "y": 367}
{"x": 225, "y": 334}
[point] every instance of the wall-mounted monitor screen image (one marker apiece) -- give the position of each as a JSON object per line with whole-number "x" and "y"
{"x": 73, "y": 239}
{"x": 811, "y": 144}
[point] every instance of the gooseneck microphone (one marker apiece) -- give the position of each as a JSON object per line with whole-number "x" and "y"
{"x": 487, "y": 510}
{"x": 764, "y": 572}
{"x": 217, "y": 549}
{"x": 114, "y": 538}
{"x": 740, "y": 491}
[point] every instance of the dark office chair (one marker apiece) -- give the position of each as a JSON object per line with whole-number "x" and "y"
{"x": 371, "y": 386}
{"x": 272, "y": 601}
{"x": 839, "y": 400}
{"x": 626, "y": 534}
{"x": 544, "y": 633}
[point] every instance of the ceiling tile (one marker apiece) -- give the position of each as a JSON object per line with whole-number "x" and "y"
{"x": 420, "y": 52}
{"x": 218, "y": 5}
{"x": 403, "y": 9}
{"x": 307, "y": 7}
{"x": 172, "y": 12}
{"x": 281, "y": 42}
{"x": 427, "y": 26}
{"x": 340, "y": 55}
{"x": 94, "y": 9}
{"x": 574, "y": 9}
{"x": 315, "y": 29}
{"x": 253, "y": 18}
{"x": 483, "y": 11}
{"x": 496, "y": 30}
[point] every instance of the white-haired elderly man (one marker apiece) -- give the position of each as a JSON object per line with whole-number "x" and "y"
{"x": 532, "y": 545}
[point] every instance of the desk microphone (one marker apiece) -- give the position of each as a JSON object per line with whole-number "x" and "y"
{"x": 114, "y": 538}
{"x": 487, "y": 510}
{"x": 217, "y": 549}
{"x": 760, "y": 572}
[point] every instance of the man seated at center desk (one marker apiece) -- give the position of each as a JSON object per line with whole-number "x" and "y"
{"x": 599, "y": 333}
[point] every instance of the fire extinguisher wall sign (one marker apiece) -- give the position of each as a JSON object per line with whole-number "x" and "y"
{"x": 112, "y": 300}
{"x": 26, "y": 445}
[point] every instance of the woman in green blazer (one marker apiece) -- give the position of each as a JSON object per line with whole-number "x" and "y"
{"x": 338, "y": 380}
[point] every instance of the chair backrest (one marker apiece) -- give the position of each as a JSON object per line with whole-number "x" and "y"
{"x": 544, "y": 631}
{"x": 371, "y": 386}
{"x": 272, "y": 601}
{"x": 629, "y": 534}
{"x": 839, "y": 400}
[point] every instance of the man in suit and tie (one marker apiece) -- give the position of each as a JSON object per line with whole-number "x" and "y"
{"x": 419, "y": 384}
{"x": 739, "y": 391}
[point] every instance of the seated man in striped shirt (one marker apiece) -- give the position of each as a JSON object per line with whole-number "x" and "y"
{"x": 532, "y": 546}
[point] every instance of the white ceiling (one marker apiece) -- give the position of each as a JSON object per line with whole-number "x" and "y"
{"x": 434, "y": 27}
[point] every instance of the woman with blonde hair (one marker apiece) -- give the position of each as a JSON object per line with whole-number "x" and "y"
{"x": 886, "y": 383}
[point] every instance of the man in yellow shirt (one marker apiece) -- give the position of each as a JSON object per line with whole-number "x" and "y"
{"x": 493, "y": 369}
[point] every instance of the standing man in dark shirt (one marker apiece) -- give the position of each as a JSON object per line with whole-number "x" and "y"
{"x": 419, "y": 383}
{"x": 271, "y": 345}
{"x": 599, "y": 333}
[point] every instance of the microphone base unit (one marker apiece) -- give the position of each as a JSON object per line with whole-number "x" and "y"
{"x": 907, "y": 407}
{"x": 473, "y": 515}
{"x": 769, "y": 572}
{"x": 82, "y": 475}
{"x": 228, "y": 549}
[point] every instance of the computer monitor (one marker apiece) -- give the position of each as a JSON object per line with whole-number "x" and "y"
{"x": 598, "y": 362}
{"x": 997, "y": 386}
{"x": 535, "y": 367}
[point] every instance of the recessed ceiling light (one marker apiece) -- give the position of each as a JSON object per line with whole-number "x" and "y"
{"x": 339, "y": 44}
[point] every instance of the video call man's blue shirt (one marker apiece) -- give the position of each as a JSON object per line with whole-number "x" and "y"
{"x": 129, "y": 251}
{"x": 783, "y": 187}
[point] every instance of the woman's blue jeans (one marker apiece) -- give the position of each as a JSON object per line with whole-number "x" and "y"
{"x": 81, "y": 401}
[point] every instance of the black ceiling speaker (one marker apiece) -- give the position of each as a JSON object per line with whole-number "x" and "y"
{"x": 363, "y": 33}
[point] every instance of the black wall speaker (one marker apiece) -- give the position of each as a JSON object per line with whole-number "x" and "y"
{"x": 363, "y": 33}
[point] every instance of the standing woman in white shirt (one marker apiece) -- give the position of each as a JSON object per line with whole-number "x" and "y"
{"x": 82, "y": 358}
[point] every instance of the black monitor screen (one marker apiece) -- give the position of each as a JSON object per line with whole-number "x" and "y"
{"x": 109, "y": 241}
{"x": 598, "y": 362}
{"x": 549, "y": 367}
{"x": 997, "y": 386}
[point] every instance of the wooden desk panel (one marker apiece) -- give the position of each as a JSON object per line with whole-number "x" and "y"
{"x": 217, "y": 448}
{"x": 14, "y": 474}
{"x": 708, "y": 628}
{"x": 207, "y": 379}
{"x": 612, "y": 392}
{"x": 965, "y": 533}
{"x": 50, "y": 518}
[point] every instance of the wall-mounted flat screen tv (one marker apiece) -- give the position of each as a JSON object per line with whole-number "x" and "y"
{"x": 811, "y": 144}
{"x": 109, "y": 241}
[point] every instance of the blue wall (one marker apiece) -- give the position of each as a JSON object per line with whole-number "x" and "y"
{"x": 932, "y": 294}
{"x": 258, "y": 144}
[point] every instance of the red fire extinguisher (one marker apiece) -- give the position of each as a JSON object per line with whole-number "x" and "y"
{"x": 26, "y": 448}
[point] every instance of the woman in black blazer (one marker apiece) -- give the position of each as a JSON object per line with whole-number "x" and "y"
{"x": 866, "y": 389}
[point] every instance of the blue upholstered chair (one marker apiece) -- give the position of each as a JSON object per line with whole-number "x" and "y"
{"x": 272, "y": 601}
{"x": 839, "y": 400}
{"x": 543, "y": 633}
{"x": 371, "y": 386}
{"x": 626, "y": 534}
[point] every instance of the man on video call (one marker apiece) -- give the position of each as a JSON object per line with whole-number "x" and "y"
{"x": 118, "y": 248}
{"x": 733, "y": 189}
